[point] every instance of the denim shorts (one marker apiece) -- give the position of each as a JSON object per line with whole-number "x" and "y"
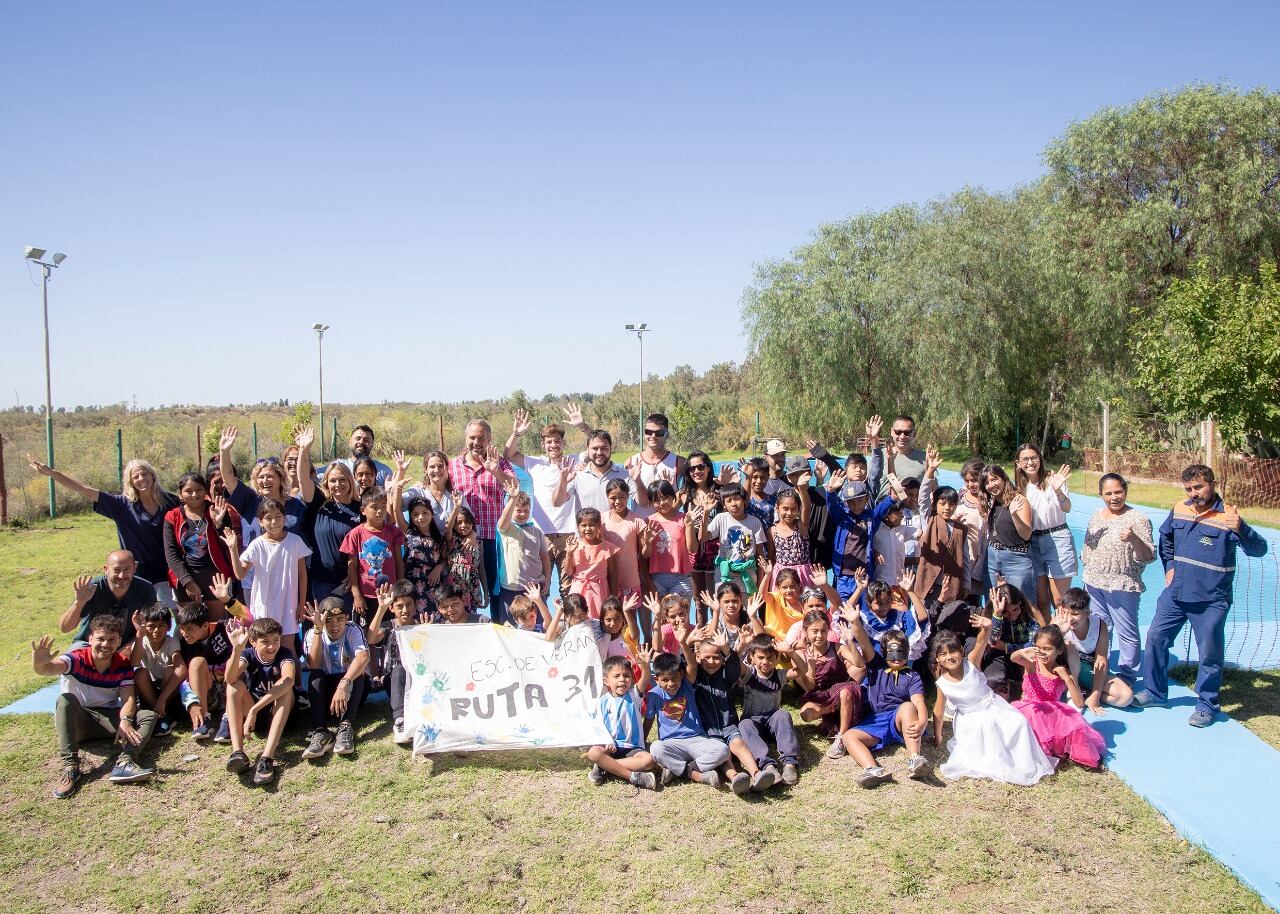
{"x": 1053, "y": 555}
{"x": 679, "y": 584}
{"x": 729, "y": 734}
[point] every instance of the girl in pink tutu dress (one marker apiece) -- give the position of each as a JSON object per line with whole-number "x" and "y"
{"x": 1060, "y": 729}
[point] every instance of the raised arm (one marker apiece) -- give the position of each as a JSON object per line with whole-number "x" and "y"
{"x": 226, "y": 441}
{"x": 519, "y": 425}
{"x": 1020, "y": 513}
{"x": 85, "y": 588}
{"x": 232, "y": 540}
{"x": 983, "y": 624}
{"x": 806, "y": 507}
{"x": 63, "y": 479}
{"x": 306, "y": 472}
{"x": 43, "y": 661}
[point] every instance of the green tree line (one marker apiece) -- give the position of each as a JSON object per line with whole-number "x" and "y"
{"x": 1021, "y": 308}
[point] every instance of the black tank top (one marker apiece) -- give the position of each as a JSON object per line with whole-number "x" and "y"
{"x": 1003, "y": 531}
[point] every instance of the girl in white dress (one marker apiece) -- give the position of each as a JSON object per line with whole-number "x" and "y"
{"x": 991, "y": 739}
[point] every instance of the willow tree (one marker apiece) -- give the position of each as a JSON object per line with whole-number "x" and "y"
{"x": 826, "y": 329}
{"x": 1143, "y": 191}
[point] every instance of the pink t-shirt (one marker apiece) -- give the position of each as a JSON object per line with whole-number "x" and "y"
{"x": 625, "y": 536}
{"x": 668, "y": 554}
{"x": 591, "y": 564}
{"x": 377, "y": 551}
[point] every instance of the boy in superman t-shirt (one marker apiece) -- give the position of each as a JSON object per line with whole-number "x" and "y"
{"x": 683, "y": 746}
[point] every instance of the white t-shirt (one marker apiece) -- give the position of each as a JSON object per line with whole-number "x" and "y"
{"x": 157, "y": 661}
{"x": 889, "y": 545}
{"x": 546, "y": 479}
{"x": 1046, "y": 513}
{"x": 738, "y": 538}
{"x": 275, "y": 579}
{"x": 336, "y": 656}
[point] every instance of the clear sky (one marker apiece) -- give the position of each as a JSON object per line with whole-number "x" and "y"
{"x": 478, "y": 196}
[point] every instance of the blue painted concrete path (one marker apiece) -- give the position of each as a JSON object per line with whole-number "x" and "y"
{"x": 1217, "y": 786}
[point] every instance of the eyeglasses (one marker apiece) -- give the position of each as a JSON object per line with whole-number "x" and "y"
{"x": 656, "y": 432}
{"x": 903, "y": 431}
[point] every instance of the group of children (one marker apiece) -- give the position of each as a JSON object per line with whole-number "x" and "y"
{"x": 862, "y": 646}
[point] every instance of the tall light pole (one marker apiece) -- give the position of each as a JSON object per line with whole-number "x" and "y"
{"x": 36, "y": 255}
{"x": 640, "y": 330}
{"x": 320, "y": 329}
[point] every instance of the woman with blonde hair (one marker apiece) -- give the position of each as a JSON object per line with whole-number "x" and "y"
{"x": 138, "y": 513}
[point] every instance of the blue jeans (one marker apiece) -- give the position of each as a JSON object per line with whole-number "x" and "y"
{"x": 1119, "y": 609}
{"x": 1209, "y": 624}
{"x": 1016, "y": 568}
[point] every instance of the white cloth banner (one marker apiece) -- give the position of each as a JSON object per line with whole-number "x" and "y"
{"x": 479, "y": 687}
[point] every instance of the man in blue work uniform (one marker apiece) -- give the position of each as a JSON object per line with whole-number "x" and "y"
{"x": 1198, "y": 548}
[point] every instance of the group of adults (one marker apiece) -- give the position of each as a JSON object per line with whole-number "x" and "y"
{"x": 1014, "y": 527}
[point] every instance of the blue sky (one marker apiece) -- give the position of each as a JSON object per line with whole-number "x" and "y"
{"x": 478, "y": 196}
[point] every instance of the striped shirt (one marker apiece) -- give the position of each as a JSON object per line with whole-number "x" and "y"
{"x": 621, "y": 717}
{"x": 93, "y": 687}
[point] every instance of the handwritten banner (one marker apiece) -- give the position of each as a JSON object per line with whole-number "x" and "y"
{"x": 484, "y": 687}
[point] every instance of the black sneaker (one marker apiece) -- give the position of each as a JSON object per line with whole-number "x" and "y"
{"x": 164, "y": 727}
{"x": 321, "y": 743}
{"x": 265, "y": 771}
{"x": 68, "y": 782}
{"x": 238, "y": 762}
{"x": 202, "y": 732}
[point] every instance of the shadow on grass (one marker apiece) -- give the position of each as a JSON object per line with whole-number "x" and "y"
{"x": 1250, "y": 696}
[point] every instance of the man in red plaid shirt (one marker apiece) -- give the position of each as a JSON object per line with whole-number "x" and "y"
{"x": 478, "y": 475}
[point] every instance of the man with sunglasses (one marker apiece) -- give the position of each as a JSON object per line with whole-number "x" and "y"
{"x": 655, "y": 461}
{"x": 898, "y": 457}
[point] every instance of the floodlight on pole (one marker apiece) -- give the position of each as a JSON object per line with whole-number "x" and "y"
{"x": 640, "y": 330}
{"x": 320, "y": 328}
{"x": 36, "y": 256}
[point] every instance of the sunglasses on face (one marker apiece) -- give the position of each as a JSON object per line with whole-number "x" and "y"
{"x": 697, "y": 466}
{"x": 272, "y": 461}
{"x": 656, "y": 432}
{"x": 902, "y": 431}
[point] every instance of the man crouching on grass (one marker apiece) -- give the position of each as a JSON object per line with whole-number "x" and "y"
{"x": 97, "y": 700}
{"x": 260, "y": 675}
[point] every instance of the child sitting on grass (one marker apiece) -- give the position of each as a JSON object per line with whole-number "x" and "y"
{"x": 158, "y": 670}
{"x": 683, "y": 747}
{"x": 205, "y": 650}
{"x": 715, "y": 672}
{"x": 260, "y": 676}
{"x": 337, "y": 657}
{"x": 829, "y": 675}
{"x": 625, "y": 757}
{"x": 97, "y": 700}
{"x": 401, "y": 601}
{"x": 894, "y": 707}
{"x": 762, "y": 711}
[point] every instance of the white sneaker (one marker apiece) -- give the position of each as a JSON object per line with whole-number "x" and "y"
{"x": 399, "y": 734}
{"x": 837, "y": 749}
{"x": 597, "y": 775}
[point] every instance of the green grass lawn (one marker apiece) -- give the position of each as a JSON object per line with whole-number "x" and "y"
{"x": 38, "y": 567}
{"x": 524, "y": 831}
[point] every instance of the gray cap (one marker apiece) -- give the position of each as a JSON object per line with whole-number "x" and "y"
{"x": 853, "y": 489}
{"x": 796, "y": 463}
